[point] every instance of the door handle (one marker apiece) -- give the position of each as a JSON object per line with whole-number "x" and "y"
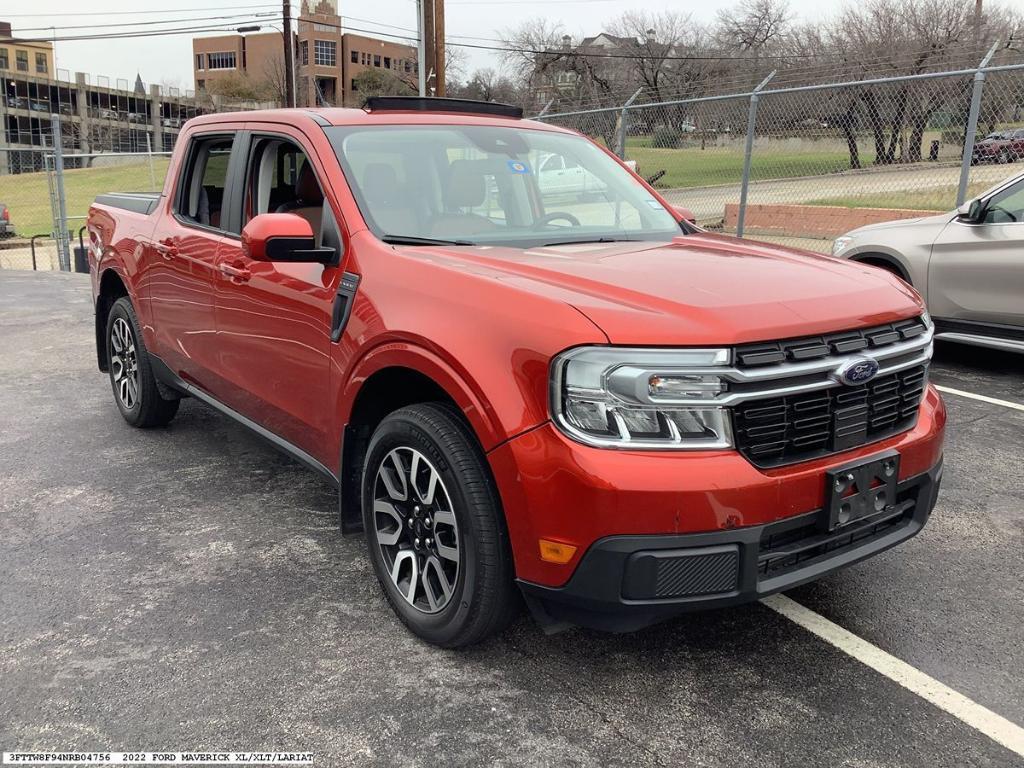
{"x": 166, "y": 248}
{"x": 235, "y": 272}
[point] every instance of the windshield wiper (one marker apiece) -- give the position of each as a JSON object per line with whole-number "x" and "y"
{"x": 411, "y": 240}
{"x": 593, "y": 240}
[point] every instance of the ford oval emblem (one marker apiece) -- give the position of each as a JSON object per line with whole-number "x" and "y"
{"x": 858, "y": 371}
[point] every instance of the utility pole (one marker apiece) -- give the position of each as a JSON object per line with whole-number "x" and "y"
{"x": 289, "y": 57}
{"x": 439, "y": 47}
{"x": 977, "y": 19}
{"x": 421, "y": 59}
{"x": 428, "y": 42}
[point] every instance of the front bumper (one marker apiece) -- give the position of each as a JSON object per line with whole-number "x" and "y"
{"x": 624, "y": 583}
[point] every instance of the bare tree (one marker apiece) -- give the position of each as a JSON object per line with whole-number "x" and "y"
{"x": 754, "y": 26}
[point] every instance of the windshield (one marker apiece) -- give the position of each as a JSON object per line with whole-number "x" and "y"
{"x": 493, "y": 185}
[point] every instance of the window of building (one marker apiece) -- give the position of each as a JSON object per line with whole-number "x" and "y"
{"x": 199, "y": 61}
{"x": 325, "y": 53}
{"x": 354, "y": 86}
{"x": 408, "y": 65}
{"x": 5, "y": 63}
{"x": 387, "y": 62}
{"x": 376, "y": 60}
{"x": 355, "y": 57}
{"x": 224, "y": 60}
{"x": 364, "y": 59}
{"x": 41, "y": 63}
{"x": 324, "y": 27}
{"x": 21, "y": 58}
{"x": 304, "y": 52}
{"x": 201, "y": 85}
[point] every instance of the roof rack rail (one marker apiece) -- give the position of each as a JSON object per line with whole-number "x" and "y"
{"x": 436, "y": 104}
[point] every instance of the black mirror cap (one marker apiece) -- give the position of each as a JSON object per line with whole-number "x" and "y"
{"x": 298, "y": 250}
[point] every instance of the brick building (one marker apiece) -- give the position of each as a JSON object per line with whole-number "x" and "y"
{"x": 327, "y": 59}
{"x": 24, "y": 57}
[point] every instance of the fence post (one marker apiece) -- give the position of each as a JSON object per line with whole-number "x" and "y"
{"x": 622, "y": 124}
{"x": 149, "y": 152}
{"x": 748, "y": 152}
{"x": 546, "y": 108}
{"x": 60, "y": 233}
{"x": 972, "y": 125}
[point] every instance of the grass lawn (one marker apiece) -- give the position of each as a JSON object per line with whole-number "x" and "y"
{"x": 28, "y": 197}
{"x": 925, "y": 200}
{"x": 695, "y": 167}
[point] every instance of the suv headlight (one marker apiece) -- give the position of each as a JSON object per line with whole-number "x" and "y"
{"x": 624, "y": 397}
{"x": 840, "y": 244}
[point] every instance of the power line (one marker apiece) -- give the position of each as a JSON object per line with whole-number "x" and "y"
{"x": 135, "y": 13}
{"x": 150, "y": 22}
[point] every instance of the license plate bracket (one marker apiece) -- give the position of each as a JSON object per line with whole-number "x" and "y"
{"x": 860, "y": 489}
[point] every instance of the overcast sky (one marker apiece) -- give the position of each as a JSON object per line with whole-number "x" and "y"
{"x": 167, "y": 60}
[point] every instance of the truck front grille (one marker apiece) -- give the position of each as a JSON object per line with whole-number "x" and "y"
{"x": 782, "y": 430}
{"x": 789, "y": 402}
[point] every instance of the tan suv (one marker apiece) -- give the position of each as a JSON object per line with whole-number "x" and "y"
{"x": 968, "y": 264}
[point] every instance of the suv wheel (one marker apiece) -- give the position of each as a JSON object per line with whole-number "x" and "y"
{"x": 1004, "y": 156}
{"x": 131, "y": 375}
{"x": 435, "y": 529}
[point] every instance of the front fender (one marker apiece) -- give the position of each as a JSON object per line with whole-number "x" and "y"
{"x": 464, "y": 390}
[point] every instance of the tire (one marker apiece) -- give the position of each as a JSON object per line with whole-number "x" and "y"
{"x": 1004, "y": 157}
{"x": 448, "y": 547}
{"x": 131, "y": 374}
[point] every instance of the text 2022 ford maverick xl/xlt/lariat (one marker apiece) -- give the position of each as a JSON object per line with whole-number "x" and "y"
{"x": 566, "y": 394}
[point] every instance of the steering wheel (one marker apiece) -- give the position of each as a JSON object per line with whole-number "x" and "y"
{"x": 549, "y": 217}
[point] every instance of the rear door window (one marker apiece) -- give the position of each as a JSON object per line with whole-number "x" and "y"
{"x": 200, "y": 196}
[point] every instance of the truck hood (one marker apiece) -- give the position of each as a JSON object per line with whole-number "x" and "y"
{"x": 698, "y": 289}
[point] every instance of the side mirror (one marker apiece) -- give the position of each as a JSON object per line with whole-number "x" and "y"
{"x": 283, "y": 237}
{"x": 972, "y": 212}
{"x": 685, "y": 214}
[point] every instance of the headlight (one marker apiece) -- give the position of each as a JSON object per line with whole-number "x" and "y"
{"x": 840, "y": 244}
{"x": 617, "y": 397}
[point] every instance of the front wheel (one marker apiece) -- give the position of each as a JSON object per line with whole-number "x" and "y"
{"x": 131, "y": 374}
{"x": 434, "y": 528}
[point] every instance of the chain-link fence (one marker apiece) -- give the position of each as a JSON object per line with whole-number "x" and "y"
{"x": 802, "y": 165}
{"x": 44, "y": 203}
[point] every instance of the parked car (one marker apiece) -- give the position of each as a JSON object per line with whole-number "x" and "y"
{"x": 966, "y": 263}
{"x": 1000, "y": 147}
{"x": 597, "y": 407}
{"x": 6, "y": 228}
{"x": 560, "y": 175}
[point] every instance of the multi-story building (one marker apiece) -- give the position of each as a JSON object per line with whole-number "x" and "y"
{"x": 25, "y": 57}
{"x": 327, "y": 59}
{"x": 258, "y": 57}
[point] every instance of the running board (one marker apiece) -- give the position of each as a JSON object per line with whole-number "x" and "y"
{"x": 168, "y": 377}
{"x": 992, "y": 342}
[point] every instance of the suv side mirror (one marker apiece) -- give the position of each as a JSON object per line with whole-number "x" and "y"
{"x": 283, "y": 237}
{"x": 972, "y": 212}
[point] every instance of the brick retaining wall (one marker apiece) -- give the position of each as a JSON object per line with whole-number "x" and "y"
{"x": 813, "y": 220}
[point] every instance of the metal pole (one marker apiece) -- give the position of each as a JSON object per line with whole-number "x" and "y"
{"x": 748, "y": 152}
{"x": 289, "y": 57}
{"x": 623, "y": 116}
{"x": 546, "y": 108}
{"x": 61, "y": 233}
{"x": 421, "y": 49}
{"x": 439, "y": 53}
{"x": 149, "y": 152}
{"x": 972, "y": 125}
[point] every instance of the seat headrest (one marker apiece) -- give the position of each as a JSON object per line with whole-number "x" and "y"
{"x": 467, "y": 185}
{"x": 380, "y": 184}
{"x": 307, "y": 189}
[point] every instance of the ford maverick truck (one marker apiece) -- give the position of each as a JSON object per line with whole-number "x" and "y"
{"x": 563, "y": 394}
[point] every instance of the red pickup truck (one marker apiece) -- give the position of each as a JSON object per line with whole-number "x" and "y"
{"x": 583, "y": 401}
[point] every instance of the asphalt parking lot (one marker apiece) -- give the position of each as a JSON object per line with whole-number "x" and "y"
{"x": 187, "y": 588}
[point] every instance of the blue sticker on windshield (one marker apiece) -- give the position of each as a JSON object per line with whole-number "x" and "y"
{"x": 517, "y": 166}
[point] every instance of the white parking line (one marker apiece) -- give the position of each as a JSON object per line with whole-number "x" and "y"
{"x": 996, "y": 727}
{"x": 982, "y": 398}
